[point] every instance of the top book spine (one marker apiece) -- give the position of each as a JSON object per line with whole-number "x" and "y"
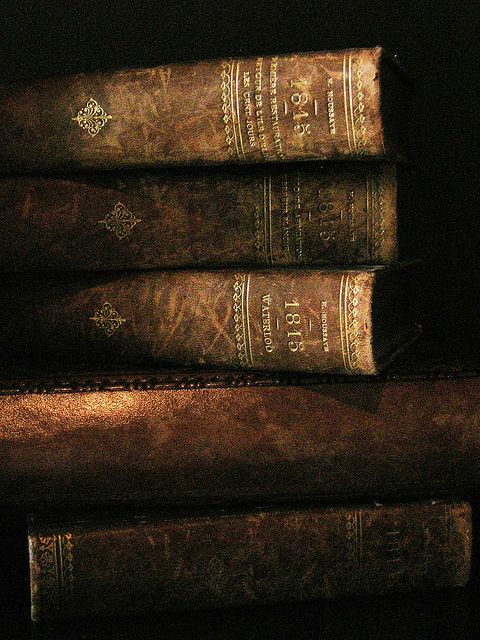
{"x": 307, "y": 106}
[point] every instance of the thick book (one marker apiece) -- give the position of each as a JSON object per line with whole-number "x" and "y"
{"x": 300, "y": 215}
{"x": 328, "y": 105}
{"x": 147, "y": 565}
{"x": 71, "y": 439}
{"x": 339, "y": 321}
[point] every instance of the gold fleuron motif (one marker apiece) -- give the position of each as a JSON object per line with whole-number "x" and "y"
{"x": 120, "y": 221}
{"x": 92, "y": 117}
{"x": 107, "y": 319}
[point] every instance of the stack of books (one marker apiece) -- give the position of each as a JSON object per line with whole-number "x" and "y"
{"x": 186, "y": 347}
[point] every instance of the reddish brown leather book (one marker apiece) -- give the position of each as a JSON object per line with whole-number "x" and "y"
{"x": 152, "y": 564}
{"x": 100, "y": 438}
{"x": 305, "y": 214}
{"x": 339, "y": 104}
{"x": 340, "y": 321}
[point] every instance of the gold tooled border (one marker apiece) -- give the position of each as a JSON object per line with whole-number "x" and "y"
{"x": 230, "y": 108}
{"x": 54, "y": 556}
{"x": 354, "y": 526}
{"x": 243, "y": 339}
{"x": 348, "y": 312}
{"x": 353, "y": 104}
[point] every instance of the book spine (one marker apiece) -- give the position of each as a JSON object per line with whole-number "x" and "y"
{"x": 263, "y": 109}
{"x": 328, "y": 214}
{"x": 193, "y": 442}
{"x": 148, "y": 566}
{"x": 271, "y": 320}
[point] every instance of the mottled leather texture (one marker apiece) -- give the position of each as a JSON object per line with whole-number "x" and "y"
{"x": 336, "y": 321}
{"x": 306, "y": 213}
{"x": 152, "y": 564}
{"x": 265, "y": 109}
{"x": 70, "y": 439}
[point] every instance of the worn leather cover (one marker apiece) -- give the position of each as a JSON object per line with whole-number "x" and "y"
{"x": 339, "y": 321}
{"x": 149, "y": 437}
{"x": 303, "y": 214}
{"x": 153, "y": 564}
{"x": 264, "y": 109}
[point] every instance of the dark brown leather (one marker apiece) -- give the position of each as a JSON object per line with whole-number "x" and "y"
{"x": 269, "y": 108}
{"x": 338, "y": 321}
{"x": 147, "y": 565}
{"x": 220, "y": 438}
{"x": 306, "y": 214}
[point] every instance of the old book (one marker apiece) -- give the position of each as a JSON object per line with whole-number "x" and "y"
{"x": 148, "y": 437}
{"x": 147, "y": 565}
{"x": 340, "y": 321}
{"x": 304, "y": 214}
{"x": 340, "y": 104}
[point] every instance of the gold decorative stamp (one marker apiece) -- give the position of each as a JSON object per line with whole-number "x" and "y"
{"x": 120, "y": 221}
{"x": 92, "y": 117}
{"x": 226, "y": 77}
{"x": 349, "y": 323}
{"x": 354, "y": 534}
{"x": 354, "y": 106}
{"x": 55, "y": 557}
{"x": 241, "y": 318}
{"x": 107, "y": 319}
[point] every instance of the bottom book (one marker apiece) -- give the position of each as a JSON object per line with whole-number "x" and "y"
{"x": 106, "y": 566}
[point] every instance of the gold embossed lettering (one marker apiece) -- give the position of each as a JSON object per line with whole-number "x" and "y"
{"x": 259, "y": 115}
{"x": 266, "y": 323}
{"x": 292, "y": 321}
{"x": 285, "y": 215}
{"x": 329, "y": 220}
{"x": 297, "y": 208}
{"x": 277, "y": 141}
{"x": 324, "y": 325}
{"x": 299, "y": 99}
{"x": 331, "y": 107}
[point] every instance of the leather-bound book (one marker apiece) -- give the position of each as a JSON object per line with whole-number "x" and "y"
{"x": 167, "y": 438}
{"x": 337, "y": 104}
{"x": 147, "y": 565}
{"x": 338, "y": 321}
{"x": 300, "y": 215}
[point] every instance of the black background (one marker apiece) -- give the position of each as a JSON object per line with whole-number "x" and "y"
{"x": 438, "y": 43}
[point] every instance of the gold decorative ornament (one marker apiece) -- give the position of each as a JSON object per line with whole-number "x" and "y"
{"x": 241, "y": 318}
{"x": 55, "y": 558}
{"x": 92, "y": 117}
{"x": 107, "y": 319}
{"x": 120, "y": 221}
